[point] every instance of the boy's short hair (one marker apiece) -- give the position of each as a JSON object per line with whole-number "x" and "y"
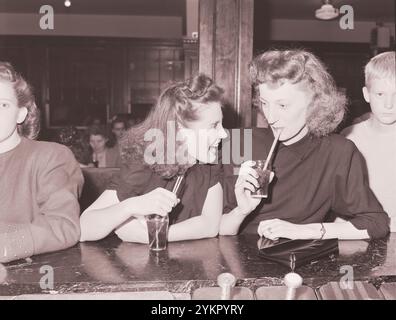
{"x": 381, "y": 66}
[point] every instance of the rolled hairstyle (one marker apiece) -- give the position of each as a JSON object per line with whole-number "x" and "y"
{"x": 30, "y": 128}
{"x": 328, "y": 105}
{"x": 180, "y": 104}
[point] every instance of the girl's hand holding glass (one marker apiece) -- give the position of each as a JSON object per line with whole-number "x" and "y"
{"x": 159, "y": 201}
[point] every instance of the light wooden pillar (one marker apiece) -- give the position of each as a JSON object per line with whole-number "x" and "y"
{"x": 225, "y": 49}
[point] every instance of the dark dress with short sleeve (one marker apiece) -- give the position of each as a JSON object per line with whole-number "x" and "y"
{"x": 137, "y": 179}
{"x": 316, "y": 179}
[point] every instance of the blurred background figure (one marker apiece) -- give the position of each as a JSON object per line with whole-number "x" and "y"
{"x": 134, "y": 119}
{"x": 104, "y": 153}
{"x": 118, "y": 126}
{"x": 131, "y": 121}
{"x": 96, "y": 121}
{"x": 92, "y": 120}
{"x": 74, "y": 139}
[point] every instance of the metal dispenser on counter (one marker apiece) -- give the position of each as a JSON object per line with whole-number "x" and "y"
{"x": 225, "y": 290}
{"x": 292, "y": 289}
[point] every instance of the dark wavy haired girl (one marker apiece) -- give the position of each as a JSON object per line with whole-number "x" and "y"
{"x": 186, "y": 124}
{"x": 179, "y": 104}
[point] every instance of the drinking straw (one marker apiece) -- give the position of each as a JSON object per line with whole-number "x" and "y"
{"x": 272, "y": 149}
{"x": 177, "y": 184}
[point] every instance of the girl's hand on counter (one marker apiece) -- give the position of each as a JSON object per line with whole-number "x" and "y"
{"x": 276, "y": 228}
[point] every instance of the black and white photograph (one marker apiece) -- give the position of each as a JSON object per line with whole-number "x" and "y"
{"x": 199, "y": 156}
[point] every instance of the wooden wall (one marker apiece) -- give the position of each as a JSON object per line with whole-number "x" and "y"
{"x": 75, "y": 77}
{"x": 225, "y": 49}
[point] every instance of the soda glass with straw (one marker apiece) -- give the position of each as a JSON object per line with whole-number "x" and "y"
{"x": 264, "y": 172}
{"x": 157, "y": 225}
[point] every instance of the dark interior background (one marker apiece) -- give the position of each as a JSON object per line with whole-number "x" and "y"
{"x": 78, "y": 77}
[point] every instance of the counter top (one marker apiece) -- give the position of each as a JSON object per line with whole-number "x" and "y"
{"x": 110, "y": 265}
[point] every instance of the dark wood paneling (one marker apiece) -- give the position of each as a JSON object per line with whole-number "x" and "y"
{"x": 119, "y": 81}
{"x": 226, "y": 57}
{"x": 226, "y": 46}
{"x": 74, "y": 77}
{"x": 79, "y": 85}
{"x": 207, "y": 36}
{"x": 191, "y": 58}
{"x": 245, "y": 54}
{"x": 28, "y": 59}
{"x": 151, "y": 69}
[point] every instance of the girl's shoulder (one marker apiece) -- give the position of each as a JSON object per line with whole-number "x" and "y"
{"x": 49, "y": 157}
{"x": 45, "y": 149}
{"x": 338, "y": 146}
{"x": 338, "y": 141}
{"x": 205, "y": 174}
{"x": 132, "y": 169}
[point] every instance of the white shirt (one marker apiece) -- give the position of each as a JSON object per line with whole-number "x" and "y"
{"x": 379, "y": 151}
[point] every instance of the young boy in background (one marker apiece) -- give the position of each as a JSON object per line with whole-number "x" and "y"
{"x": 376, "y": 136}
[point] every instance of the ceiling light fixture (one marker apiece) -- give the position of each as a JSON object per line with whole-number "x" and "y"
{"x": 67, "y": 3}
{"x": 327, "y": 11}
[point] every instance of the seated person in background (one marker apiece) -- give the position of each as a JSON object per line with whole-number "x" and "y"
{"x": 76, "y": 141}
{"x": 131, "y": 121}
{"x": 40, "y": 181}
{"x": 318, "y": 175}
{"x": 375, "y": 137}
{"x": 186, "y": 113}
{"x": 103, "y": 152}
{"x": 93, "y": 121}
{"x": 118, "y": 127}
